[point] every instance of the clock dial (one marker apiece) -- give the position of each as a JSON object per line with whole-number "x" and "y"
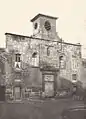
{"x": 35, "y": 26}
{"x": 47, "y": 25}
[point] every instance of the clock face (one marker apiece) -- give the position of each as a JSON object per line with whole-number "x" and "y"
{"x": 35, "y": 26}
{"x": 47, "y": 25}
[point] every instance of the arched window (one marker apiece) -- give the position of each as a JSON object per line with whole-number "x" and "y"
{"x": 34, "y": 55}
{"x": 35, "y": 59}
{"x": 62, "y": 62}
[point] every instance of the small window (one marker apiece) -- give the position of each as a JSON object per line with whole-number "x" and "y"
{"x": 61, "y": 57}
{"x": 74, "y": 63}
{"x": 48, "y": 51}
{"x": 34, "y": 55}
{"x": 35, "y": 59}
{"x": 17, "y": 61}
{"x": 35, "y": 26}
{"x": 74, "y": 77}
{"x": 84, "y": 64}
{"x": 62, "y": 62}
{"x": 17, "y": 57}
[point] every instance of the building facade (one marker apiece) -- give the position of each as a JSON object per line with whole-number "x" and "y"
{"x": 83, "y": 73}
{"x": 39, "y": 63}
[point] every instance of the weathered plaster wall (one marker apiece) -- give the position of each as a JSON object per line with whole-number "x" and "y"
{"x": 73, "y": 61}
{"x": 26, "y": 47}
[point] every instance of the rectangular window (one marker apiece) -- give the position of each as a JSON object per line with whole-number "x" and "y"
{"x": 18, "y": 61}
{"x": 84, "y": 64}
{"x": 48, "y": 51}
{"x": 34, "y": 62}
{"x": 74, "y": 77}
{"x": 18, "y": 57}
{"x": 74, "y": 63}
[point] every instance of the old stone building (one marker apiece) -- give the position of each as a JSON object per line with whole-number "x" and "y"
{"x": 2, "y": 73}
{"x": 39, "y": 63}
{"x": 83, "y": 72}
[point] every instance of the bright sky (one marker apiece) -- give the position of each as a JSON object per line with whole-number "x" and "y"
{"x": 15, "y": 17}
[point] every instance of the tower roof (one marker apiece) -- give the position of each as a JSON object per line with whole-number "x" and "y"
{"x": 42, "y": 15}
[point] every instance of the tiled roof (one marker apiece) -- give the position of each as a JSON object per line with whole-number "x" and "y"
{"x": 42, "y": 15}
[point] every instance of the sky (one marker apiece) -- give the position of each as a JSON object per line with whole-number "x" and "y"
{"x": 15, "y": 16}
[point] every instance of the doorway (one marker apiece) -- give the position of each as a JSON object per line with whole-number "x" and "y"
{"x": 2, "y": 93}
{"x": 49, "y": 85}
{"x": 17, "y": 93}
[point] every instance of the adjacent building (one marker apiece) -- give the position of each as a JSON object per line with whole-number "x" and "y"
{"x": 83, "y": 72}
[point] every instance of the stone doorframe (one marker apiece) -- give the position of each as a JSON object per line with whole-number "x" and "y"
{"x": 49, "y": 72}
{"x": 20, "y": 92}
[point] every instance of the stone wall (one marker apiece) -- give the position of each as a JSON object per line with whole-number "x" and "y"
{"x": 41, "y": 32}
{"x": 72, "y": 54}
{"x": 26, "y": 47}
{"x": 83, "y": 72}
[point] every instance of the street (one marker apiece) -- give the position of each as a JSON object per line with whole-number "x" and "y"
{"x": 48, "y": 109}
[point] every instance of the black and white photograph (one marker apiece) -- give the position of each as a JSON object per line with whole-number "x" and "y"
{"x": 43, "y": 59}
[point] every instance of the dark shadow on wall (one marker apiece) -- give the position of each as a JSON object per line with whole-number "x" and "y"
{"x": 65, "y": 84}
{"x": 2, "y": 93}
{"x": 67, "y": 87}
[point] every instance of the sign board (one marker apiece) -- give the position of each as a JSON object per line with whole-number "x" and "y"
{"x": 48, "y": 77}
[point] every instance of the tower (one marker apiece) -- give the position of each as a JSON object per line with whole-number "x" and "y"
{"x": 44, "y": 27}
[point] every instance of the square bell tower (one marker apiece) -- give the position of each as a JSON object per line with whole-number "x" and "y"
{"x": 44, "y": 27}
